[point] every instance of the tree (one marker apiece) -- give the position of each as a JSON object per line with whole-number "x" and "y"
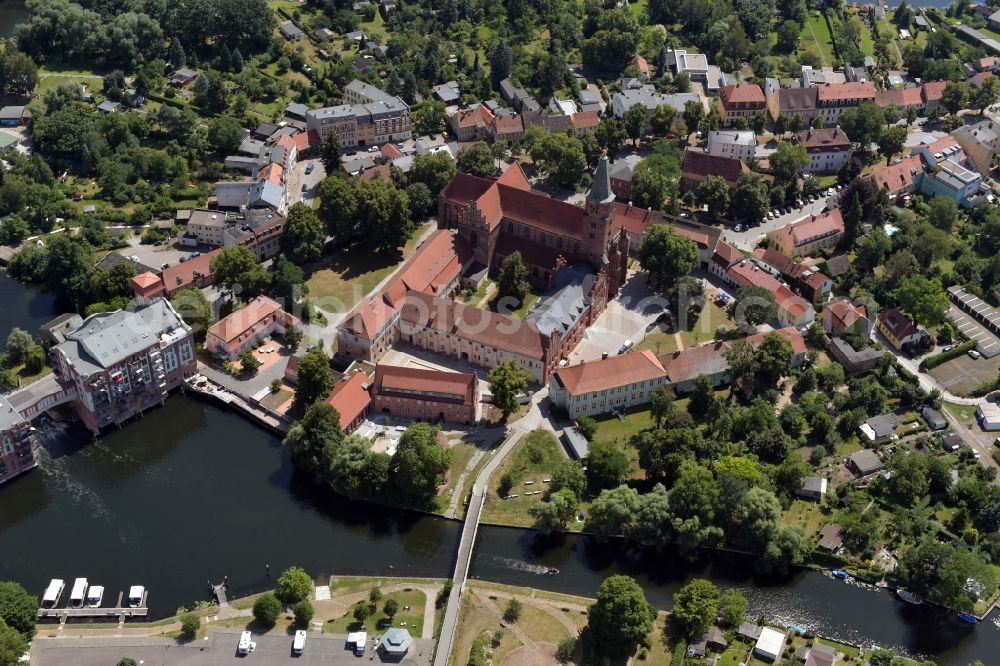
{"x": 922, "y": 298}
{"x": 20, "y": 74}
{"x": 651, "y": 187}
{"x": 330, "y": 154}
{"x": 383, "y": 211}
{"x": 434, "y": 170}
{"x": 570, "y": 475}
{"x": 19, "y": 341}
{"x": 18, "y": 608}
{"x": 127, "y": 661}
{"x": 714, "y": 193}
{"x": 315, "y": 377}
{"x": 754, "y": 306}
{"x": 694, "y": 113}
{"x": 420, "y": 462}
{"x": 788, "y": 548}
{"x": 552, "y": 515}
{"x": 248, "y": 361}
{"x": 565, "y": 650}
{"x": 561, "y": 158}
{"x": 774, "y": 358}
{"x": 361, "y": 612}
{"x": 512, "y": 285}
{"x": 374, "y": 595}
{"x": 501, "y": 58}
{"x": 194, "y": 308}
{"x": 13, "y": 645}
{"x": 390, "y": 608}
{"x": 702, "y": 396}
{"x": 176, "y": 56}
{"x": 788, "y": 36}
{"x": 607, "y": 465}
{"x": 985, "y": 95}
{"x": 751, "y": 198}
{"x": 303, "y": 612}
{"x": 943, "y": 213}
{"x": 892, "y": 141}
{"x": 663, "y": 119}
{"x": 266, "y": 610}
{"x": 190, "y": 623}
{"x": 506, "y": 382}
{"x": 788, "y": 161}
{"x": 634, "y": 120}
{"x": 512, "y": 612}
{"x": 236, "y": 268}
{"x": 695, "y": 607}
{"x": 587, "y": 426}
{"x": 477, "y": 160}
{"x": 294, "y": 585}
{"x": 610, "y": 135}
{"x": 621, "y": 617}
{"x": 303, "y": 239}
{"x": 732, "y": 608}
{"x": 755, "y": 519}
{"x": 954, "y": 97}
{"x": 661, "y": 405}
{"x": 864, "y": 125}
{"x": 224, "y": 134}
{"x": 667, "y": 255}
{"x": 613, "y": 513}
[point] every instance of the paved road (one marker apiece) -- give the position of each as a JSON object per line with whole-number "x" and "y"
{"x": 530, "y": 422}
{"x": 747, "y": 239}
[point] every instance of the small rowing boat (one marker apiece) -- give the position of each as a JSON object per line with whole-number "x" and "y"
{"x": 910, "y": 597}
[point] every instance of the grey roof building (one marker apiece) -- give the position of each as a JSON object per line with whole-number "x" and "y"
{"x": 296, "y": 110}
{"x": 323, "y": 34}
{"x": 447, "y": 92}
{"x": 880, "y": 428}
{"x": 865, "y": 462}
{"x": 55, "y": 331}
{"x": 934, "y": 418}
{"x": 290, "y": 30}
{"x": 395, "y": 642}
{"x": 107, "y": 106}
{"x": 589, "y": 100}
{"x": 577, "y": 445}
{"x": 561, "y": 307}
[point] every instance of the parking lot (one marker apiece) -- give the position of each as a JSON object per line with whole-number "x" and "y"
{"x": 155, "y": 256}
{"x": 219, "y": 648}
{"x": 986, "y": 342}
{"x": 626, "y": 318}
{"x": 300, "y": 178}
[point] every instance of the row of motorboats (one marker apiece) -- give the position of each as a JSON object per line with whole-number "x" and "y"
{"x": 911, "y": 598}
{"x": 85, "y": 595}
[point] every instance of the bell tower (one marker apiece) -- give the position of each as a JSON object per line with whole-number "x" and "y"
{"x": 599, "y": 217}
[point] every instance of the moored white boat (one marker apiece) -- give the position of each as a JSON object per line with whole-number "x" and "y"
{"x": 53, "y": 593}
{"x": 79, "y": 593}
{"x": 910, "y": 597}
{"x": 95, "y": 596}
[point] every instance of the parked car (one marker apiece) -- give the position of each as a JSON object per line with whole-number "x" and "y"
{"x": 625, "y": 346}
{"x": 739, "y": 228}
{"x": 947, "y": 348}
{"x": 309, "y": 168}
{"x": 974, "y": 354}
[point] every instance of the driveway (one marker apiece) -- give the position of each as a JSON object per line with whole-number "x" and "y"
{"x": 155, "y": 256}
{"x": 299, "y": 177}
{"x": 748, "y": 238}
{"x": 257, "y": 385}
{"x": 627, "y": 317}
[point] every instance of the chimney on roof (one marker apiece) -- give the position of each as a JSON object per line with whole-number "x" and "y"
{"x": 604, "y": 356}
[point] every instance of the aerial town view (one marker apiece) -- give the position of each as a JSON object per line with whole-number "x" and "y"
{"x": 468, "y": 333}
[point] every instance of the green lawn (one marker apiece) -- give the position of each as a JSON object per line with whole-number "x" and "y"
{"x": 461, "y": 454}
{"x": 964, "y": 413}
{"x": 275, "y": 400}
{"x": 353, "y": 274}
{"x": 533, "y": 460}
{"x": 660, "y": 342}
{"x": 377, "y": 622}
{"x": 700, "y": 331}
{"x": 816, "y": 38}
{"x": 803, "y": 514}
{"x": 612, "y": 429}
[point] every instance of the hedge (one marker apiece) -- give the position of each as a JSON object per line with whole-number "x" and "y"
{"x": 954, "y": 352}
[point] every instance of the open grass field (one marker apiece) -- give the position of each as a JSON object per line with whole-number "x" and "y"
{"x": 804, "y": 514}
{"x": 816, "y": 38}
{"x": 378, "y": 621}
{"x": 353, "y": 273}
{"x": 532, "y": 461}
{"x": 461, "y": 454}
{"x": 699, "y": 332}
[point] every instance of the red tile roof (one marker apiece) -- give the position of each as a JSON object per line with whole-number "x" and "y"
{"x": 383, "y": 171}
{"x": 843, "y": 314}
{"x": 477, "y": 116}
{"x": 843, "y": 92}
{"x": 726, "y": 255}
{"x": 822, "y": 140}
{"x": 796, "y": 100}
{"x": 487, "y": 328}
{"x": 932, "y": 90}
{"x": 181, "y": 275}
{"x": 900, "y": 97}
{"x": 701, "y": 165}
{"x": 146, "y": 280}
{"x": 794, "y": 337}
{"x": 508, "y": 125}
{"x": 609, "y": 373}
{"x": 811, "y": 228}
{"x": 246, "y": 319}
{"x": 586, "y": 120}
{"x": 899, "y": 176}
{"x": 640, "y": 64}
{"x": 391, "y": 152}
{"x": 350, "y": 398}
{"x": 304, "y": 140}
{"x": 745, "y": 94}
{"x": 897, "y": 323}
{"x": 455, "y": 387}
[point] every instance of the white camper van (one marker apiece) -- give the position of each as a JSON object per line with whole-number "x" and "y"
{"x": 299, "y": 644}
{"x": 246, "y": 645}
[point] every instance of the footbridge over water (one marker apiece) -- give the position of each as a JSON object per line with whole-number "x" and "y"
{"x": 39, "y": 396}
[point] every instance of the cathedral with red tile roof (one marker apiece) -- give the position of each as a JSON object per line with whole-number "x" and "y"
{"x": 498, "y": 217}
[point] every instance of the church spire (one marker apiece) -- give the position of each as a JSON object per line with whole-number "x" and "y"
{"x": 600, "y": 192}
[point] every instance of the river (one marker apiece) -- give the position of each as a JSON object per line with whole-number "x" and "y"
{"x": 12, "y": 12}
